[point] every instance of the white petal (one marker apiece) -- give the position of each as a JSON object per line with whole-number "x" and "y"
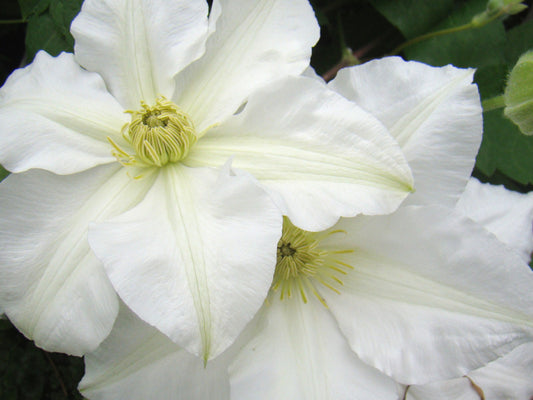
{"x": 455, "y": 389}
{"x": 298, "y": 353}
{"x": 56, "y": 116}
{"x": 320, "y": 155}
{"x": 196, "y": 257}
{"x": 137, "y": 362}
{"x": 432, "y": 294}
{"x": 434, "y": 113}
{"x": 139, "y": 45}
{"x": 255, "y": 43}
{"x": 53, "y": 288}
{"x": 508, "y": 377}
{"x": 507, "y": 214}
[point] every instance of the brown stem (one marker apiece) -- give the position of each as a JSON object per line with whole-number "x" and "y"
{"x": 58, "y": 375}
{"x": 346, "y": 61}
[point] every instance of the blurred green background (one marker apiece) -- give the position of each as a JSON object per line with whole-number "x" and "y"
{"x": 352, "y": 30}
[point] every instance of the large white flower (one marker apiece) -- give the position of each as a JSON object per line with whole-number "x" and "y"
{"x": 169, "y": 132}
{"x": 509, "y": 215}
{"x": 413, "y": 297}
{"x": 426, "y": 294}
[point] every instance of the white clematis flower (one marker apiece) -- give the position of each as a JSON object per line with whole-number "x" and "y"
{"x": 509, "y": 216}
{"x": 132, "y": 135}
{"x": 373, "y": 301}
{"x": 377, "y": 300}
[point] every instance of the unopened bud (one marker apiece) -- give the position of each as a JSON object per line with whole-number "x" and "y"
{"x": 519, "y": 94}
{"x": 497, "y": 8}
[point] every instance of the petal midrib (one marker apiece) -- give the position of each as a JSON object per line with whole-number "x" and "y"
{"x": 405, "y": 127}
{"x": 194, "y": 265}
{"x": 345, "y": 167}
{"x": 51, "y": 291}
{"x": 229, "y": 46}
{"x": 51, "y": 110}
{"x": 468, "y": 304}
{"x": 146, "y": 354}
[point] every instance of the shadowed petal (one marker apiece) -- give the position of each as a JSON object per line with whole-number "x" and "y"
{"x": 298, "y": 353}
{"x": 53, "y": 288}
{"x": 196, "y": 257}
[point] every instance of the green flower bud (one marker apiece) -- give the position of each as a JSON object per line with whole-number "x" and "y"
{"x": 519, "y": 94}
{"x": 497, "y": 8}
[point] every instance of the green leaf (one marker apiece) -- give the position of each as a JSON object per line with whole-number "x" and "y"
{"x": 50, "y": 30}
{"x": 519, "y": 40}
{"x": 62, "y": 13}
{"x": 505, "y": 148}
{"x": 32, "y": 7}
{"x": 491, "y": 80}
{"x": 470, "y": 48}
{"x": 43, "y": 34}
{"x": 3, "y": 173}
{"x": 413, "y": 17}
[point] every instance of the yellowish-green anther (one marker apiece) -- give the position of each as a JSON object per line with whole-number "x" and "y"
{"x": 302, "y": 265}
{"x": 160, "y": 134}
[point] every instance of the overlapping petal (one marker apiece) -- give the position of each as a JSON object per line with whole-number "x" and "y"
{"x": 507, "y": 214}
{"x": 53, "y": 288}
{"x": 298, "y": 353}
{"x": 318, "y": 154}
{"x": 196, "y": 257}
{"x": 432, "y": 295}
{"x": 56, "y": 116}
{"x": 434, "y": 113}
{"x": 456, "y": 389}
{"x": 254, "y": 43}
{"x": 506, "y": 378}
{"x": 137, "y": 362}
{"x": 138, "y": 46}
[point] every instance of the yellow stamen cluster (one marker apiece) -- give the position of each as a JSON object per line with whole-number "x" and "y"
{"x": 302, "y": 265}
{"x": 160, "y": 134}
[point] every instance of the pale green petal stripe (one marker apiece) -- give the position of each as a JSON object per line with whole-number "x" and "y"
{"x": 280, "y": 160}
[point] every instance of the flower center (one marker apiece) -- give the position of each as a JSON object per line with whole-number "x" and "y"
{"x": 160, "y": 134}
{"x": 302, "y": 265}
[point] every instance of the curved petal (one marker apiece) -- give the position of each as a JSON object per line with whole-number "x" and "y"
{"x": 255, "y": 43}
{"x": 508, "y": 377}
{"x": 434, "y": 113}
{"x": 507, "y": 214}
{"x": 139, "y": 45}
{"x": 56, "y": 116}
{"x": 137, "y": 362}
{"x": 298, "y": 353}
{"x": 318, "y": 154}
{"x": 53, "y": 288}
{"x": 432, "y": 294}
{"x": 199, "y": 266}
{"x": 456, "y": 389}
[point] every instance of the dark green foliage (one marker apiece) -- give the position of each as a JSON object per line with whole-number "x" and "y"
{"x": 28, "y": 373}
{"x": 49, "y": 25}
{"x": 505, "y": 149}
{"x": 471, "y": 48}
{"x": 414, "y": 17}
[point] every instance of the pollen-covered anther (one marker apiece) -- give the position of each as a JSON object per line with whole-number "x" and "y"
{"x": 160, "y": 134}
{"x": 302, "y": 265}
